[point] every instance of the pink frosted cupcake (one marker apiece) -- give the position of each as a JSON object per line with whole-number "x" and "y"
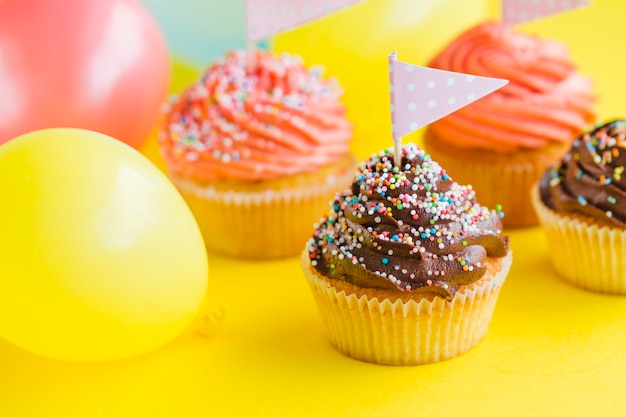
{"x": 502, "y": 143}
{"x": 258, "y": 147}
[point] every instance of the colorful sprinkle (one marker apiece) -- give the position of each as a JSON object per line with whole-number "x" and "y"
{"x": 424, "y": 227}
{"x": 198, "y": 138}
{"x": 596, "y": 159}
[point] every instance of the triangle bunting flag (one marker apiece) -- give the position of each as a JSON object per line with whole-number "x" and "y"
{"x": 519, "y": 11}
{"x": 422, "y": 95}
{"x": 266, "y": 17}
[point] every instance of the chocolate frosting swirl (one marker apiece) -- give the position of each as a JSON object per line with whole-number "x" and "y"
{"x": 589, "y": 180}
{"x": 411, "y": 228}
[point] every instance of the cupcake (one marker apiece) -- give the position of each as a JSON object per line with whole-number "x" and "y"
{"x": 581, "y": 203}
{"x": 257, "y": 147}
{"x": 502, "y": 144}
{"x": 407, "y": 266}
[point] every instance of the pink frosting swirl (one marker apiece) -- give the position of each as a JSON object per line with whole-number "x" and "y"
{"x": 546, "y": 99}
{"x": 252, "y": 118}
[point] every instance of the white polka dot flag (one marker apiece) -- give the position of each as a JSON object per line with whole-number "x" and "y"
{"x": 519, "y": 11}
{"x": 266, "y": 17}
{"x": 422, "y": 95}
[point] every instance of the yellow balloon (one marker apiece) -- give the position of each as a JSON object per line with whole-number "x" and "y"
{"x": 100, "y": 258}
{"x": 353, "y": 45}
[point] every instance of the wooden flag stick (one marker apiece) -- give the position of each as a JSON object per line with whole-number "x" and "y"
{"x": 397, "y": 152}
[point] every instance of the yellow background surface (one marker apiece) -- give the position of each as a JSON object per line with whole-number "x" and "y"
{"x": 551, "y": 350}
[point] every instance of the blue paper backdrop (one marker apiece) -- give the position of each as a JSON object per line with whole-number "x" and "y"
{"x": 199, "y": 30}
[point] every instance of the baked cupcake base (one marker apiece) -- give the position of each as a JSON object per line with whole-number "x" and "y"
{"x": 392, "y": 328}
{"x": 264, "y": 220}
{"x": 498, "y": 178}
{"x": 584, "y": 253}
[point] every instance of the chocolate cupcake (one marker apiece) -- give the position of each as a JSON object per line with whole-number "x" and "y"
{"x": 407, "y": 267}
{"x": 581, "y": 203}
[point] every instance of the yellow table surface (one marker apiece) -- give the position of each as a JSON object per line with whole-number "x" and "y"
{"x": 551, "y": 349}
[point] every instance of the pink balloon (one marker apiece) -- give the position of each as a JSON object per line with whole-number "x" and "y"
{"x": 93, "y": 64}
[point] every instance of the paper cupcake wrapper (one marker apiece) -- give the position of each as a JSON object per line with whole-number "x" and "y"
{"x": 585, "y": 254}
{"x": 502, "y": 181}
{"x": 260, "y": 224}
{"x": 410, "y": 332}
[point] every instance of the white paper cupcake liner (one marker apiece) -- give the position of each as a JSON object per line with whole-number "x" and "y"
{"x": 412, "y": 332}
{"x": 259, "y": 224}
{"x": 584, "y": 254}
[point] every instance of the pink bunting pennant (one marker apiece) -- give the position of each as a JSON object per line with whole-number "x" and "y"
{"x": 519, "y": 11}
{"x": 421, "y": 95}
{"x": 266, "y": 17}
